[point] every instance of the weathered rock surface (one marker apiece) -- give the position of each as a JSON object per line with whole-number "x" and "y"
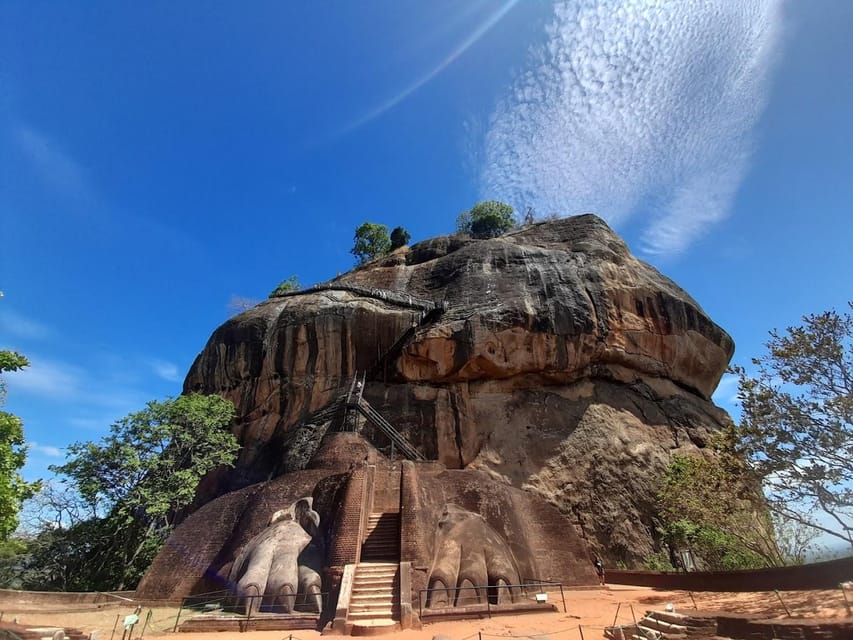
{"x": 555, "y": 362}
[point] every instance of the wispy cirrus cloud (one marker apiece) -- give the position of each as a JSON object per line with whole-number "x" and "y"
{"x": 19, "y": 326}
{"x": 167, "y": 370}
{"x": 53, "y": 164}
{"x": 636, "y": 108}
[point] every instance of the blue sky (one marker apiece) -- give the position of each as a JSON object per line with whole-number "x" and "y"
{"x": 160, "y": 158}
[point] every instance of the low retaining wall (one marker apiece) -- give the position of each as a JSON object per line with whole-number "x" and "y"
{"x": 47, "y": 598}
{"x": 819, "y": 575}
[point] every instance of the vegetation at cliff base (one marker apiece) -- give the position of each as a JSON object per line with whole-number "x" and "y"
{"x": 487, "y": 219}
{"x": 13, "y": 453}
{"x": 118, "y": 499}
{"x": 770, "y": 484}
{"x": 712, "y": 507}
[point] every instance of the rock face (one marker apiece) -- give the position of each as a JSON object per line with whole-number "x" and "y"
{"x": 549, "y": 359}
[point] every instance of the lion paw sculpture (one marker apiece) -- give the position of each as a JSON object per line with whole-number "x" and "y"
{"x": 280, "y": 567}
{"x": 472, "y": 562}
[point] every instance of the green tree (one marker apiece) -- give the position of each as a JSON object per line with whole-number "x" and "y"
{"x": 399, "y": 238}
{"x": 285, "y": 286}
{"x": 135, "y": 481}
{"x": 487, "y": 219}
{"x": 797, "y": 422}
{"x": 13, "y": 453}
{"x": 371, "y": 240}
{"x": 712, "y": 504}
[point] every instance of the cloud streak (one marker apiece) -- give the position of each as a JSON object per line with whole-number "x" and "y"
{"x": 636, "y": 109}
{"x": 45, "y": 450}
{"x": 166, "y": 370}
{"x": 15, "y": 324}
{"x": 408, "y": 90}
{"x": 56, "y": 167}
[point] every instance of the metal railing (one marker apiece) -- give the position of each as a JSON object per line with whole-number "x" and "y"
{"x": 491, "y": 593}
{"x": 253, "y": 605}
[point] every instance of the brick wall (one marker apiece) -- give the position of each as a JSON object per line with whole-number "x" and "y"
{"x": 820, "y": 575}
{"x": 346, "y": 545}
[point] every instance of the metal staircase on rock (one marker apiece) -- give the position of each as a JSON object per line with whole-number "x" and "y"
{"x": 375, "y": 599}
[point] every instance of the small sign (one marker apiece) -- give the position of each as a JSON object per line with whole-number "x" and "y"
{"x": 130, "y": 620}
{"x": 541, "y": 597}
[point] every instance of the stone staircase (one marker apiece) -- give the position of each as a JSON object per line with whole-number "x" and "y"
{"x": 375, "y": 600}
{"x": 665, "y": 625}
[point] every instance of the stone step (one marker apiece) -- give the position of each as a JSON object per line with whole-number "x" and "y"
{"x": 374, "y": 580}
{"x": 661, "y": 625}
{"x": 649, "y": 632}
{"x": 384, "y": 612}
{"x": 378, "y": 608}
{"x": 377, "y": 573}
{"x": 373, "y": 596}
{"x": 376, "y": 589}
{"x": 379, "y": 584}
{"x": 389, "y": 568}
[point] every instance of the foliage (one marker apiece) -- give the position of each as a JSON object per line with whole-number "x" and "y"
{"x": 399, "y": 238}
{"x": 124, "y": 493}
{"x": 712, "y": 505}
{"x": 371, "y": 240}
{"x": 658, "y": 561}
{"x": 487, "y": 219}
{"x": 13, "y": 453}
{"x": 797, "y": 422}
{"x": 285, "y": 286}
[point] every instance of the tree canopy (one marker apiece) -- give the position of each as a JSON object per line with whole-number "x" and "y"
{"x": 487, "y": 219}
{"x": 120, "y": 496}
{"x": 371, "y": 240}
{"x": 13, "y": 453}
{"x": 399, "y": 238}
{"x": 797, "y": 422}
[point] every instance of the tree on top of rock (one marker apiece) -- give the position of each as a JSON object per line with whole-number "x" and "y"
{"x": 286, "y": 286}
{"x": 399, "y": 238}
{"x": 371, "y": 241}
{"x": 487, "y": 219}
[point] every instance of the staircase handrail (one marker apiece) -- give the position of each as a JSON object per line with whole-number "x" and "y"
{"x": 395, "y": 436}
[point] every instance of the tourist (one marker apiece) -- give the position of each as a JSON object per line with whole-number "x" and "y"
{"x": 599, "y": 569}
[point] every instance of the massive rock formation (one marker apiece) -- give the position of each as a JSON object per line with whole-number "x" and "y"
{"x": 548, "y": 360}
{"x": 561, "y": 364}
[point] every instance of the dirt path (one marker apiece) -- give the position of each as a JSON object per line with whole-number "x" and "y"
{"x": 591, "y": 610}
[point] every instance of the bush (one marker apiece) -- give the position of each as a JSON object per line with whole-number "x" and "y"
{"x": 399, "y": 238}
{"x": 487, "y": 219}
{"x": 285, "y": 286}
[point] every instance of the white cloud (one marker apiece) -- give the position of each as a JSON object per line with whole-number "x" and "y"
{"x": 45, "y": 449}
{"x": 636, "y": 108}
{"x": 53, "y": 164}
{"x": 46, "y": 378}
{"x": 726, "y": 393}
{"x": 166, "y": 370}
{"x": 17, "y": 325}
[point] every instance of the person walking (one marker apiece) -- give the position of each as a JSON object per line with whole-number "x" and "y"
{"x": 599, "y": 569}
